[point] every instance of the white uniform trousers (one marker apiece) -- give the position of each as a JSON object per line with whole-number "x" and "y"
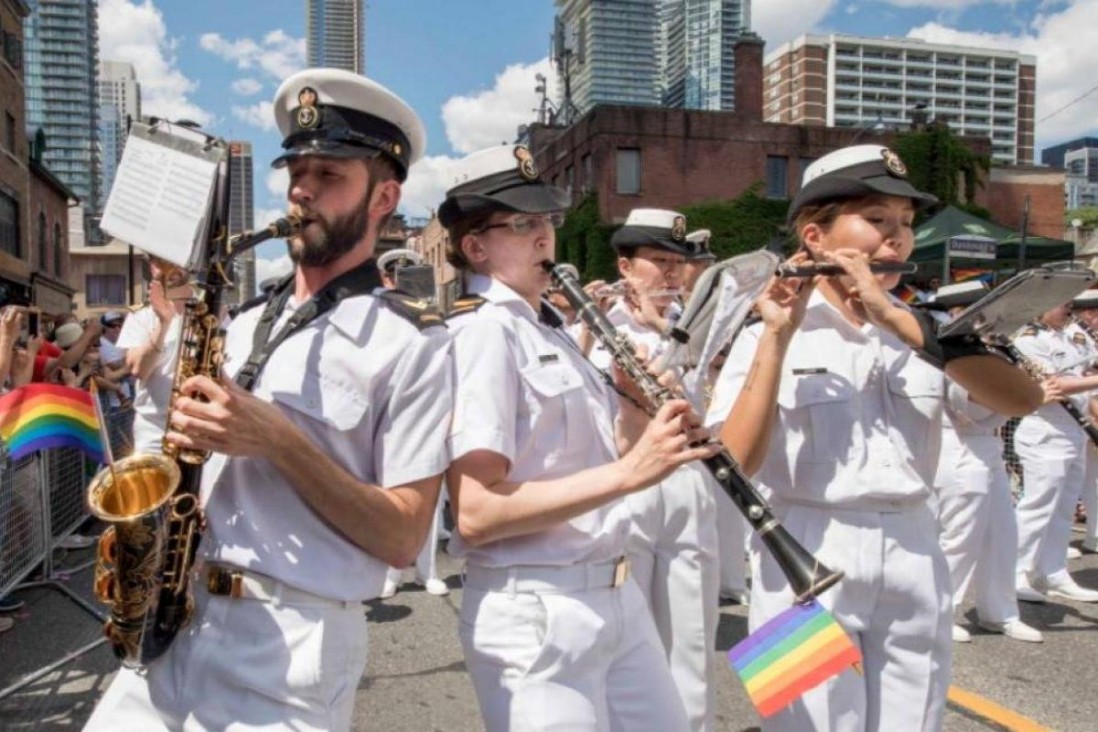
{"x": 427, "y": 559}
{"x": 583, "y": 659}
{"x": 979, "y": 529}
{"x": 893, "y": 601}
{"x": 733, "y": 542}
{"x": 246, "y": 664}
{"x": 1090, "y": 497}
{"x": 674, "y": 549}
{"x": 1053, "y": 467}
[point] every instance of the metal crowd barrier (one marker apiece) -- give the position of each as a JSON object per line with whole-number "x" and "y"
{"x": 42, "y": 501}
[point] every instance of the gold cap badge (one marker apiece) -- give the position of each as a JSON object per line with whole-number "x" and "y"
{"x": 528, "y": 168}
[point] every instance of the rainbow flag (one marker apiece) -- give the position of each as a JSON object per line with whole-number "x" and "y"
{"x": 793, "y": 652}
{"x": 41, "y": 416}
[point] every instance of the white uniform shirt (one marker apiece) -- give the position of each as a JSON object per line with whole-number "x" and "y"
{"x": 1061, "y": 352}
{"x": 621, "y": 318}
{"x": 153, "y": 395}
{"x": 374, "y": 393}
{"x": 859, "y": 414}
{"x": 524, "y": 391}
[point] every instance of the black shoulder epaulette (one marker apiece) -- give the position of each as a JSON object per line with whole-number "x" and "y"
{"x": 467, "y": 304}
{"x": 752, "y": 318}
{"x": 421, "y": 313}
{"x": 1030, "y": 330}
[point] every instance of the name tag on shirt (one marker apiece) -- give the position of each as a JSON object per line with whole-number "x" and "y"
{"x": 548, "y": 358}
{"x": 810, "y": 372}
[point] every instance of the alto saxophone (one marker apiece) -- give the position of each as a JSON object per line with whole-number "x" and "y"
{"x": 151, "y": 501}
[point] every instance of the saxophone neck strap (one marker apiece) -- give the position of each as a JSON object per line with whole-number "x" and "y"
{"x": 361, "y": 280}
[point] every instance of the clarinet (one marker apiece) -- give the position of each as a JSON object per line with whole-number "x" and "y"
{"x": 1037, "y": 372}
{"x": 806, "y": 575}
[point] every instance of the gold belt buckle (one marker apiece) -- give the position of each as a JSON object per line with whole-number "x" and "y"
{"x": 621, "y": 571}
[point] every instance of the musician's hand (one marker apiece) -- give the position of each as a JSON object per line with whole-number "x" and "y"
{"x": 1053, "y": 390}
{"x": 644, "y": 311}
{"x": 160, "y": 303}
{"x": 233, "y": 421}
{"x": 782, "y": 304}
{"x": 600, "y": 293}
{"x": 863, "y": 288}
{"x": 665, "y": 445}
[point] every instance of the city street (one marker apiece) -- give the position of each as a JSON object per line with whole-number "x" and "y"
{"x": 416, "y": 680}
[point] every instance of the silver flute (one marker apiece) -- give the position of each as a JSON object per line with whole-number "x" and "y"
{"x": 833, "y": 270}
{"x": 806, "y": 574}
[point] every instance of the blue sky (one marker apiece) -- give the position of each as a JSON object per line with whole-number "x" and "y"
{"x": 467, "y": 66}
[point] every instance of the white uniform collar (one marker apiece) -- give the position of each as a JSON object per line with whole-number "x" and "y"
{"x": 351, "y": 315}
{"x": 498, "y": 293}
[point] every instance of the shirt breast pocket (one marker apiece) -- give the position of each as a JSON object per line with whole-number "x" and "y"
{"x": 918, "y": 394}
{"x": 554, "y": 397}
{"x": 820, "y": 416}
{"x": 326, "y": 401}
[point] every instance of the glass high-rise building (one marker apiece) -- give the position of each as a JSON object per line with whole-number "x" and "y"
{"x": 697, "y": 52}
{"x": 61, "y": 41}
{"x": 606, "y": 51}
{"x": 241, "y": 213}
{"x": 335, "y": 34}
{"x": 119, "y": 104}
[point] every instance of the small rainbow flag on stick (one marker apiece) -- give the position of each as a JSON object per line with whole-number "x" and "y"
{"x": 793, "y": 652}
{"x": 41, "y": 416}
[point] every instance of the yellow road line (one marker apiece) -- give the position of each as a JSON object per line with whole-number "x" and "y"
{"x": 989, "y": 710}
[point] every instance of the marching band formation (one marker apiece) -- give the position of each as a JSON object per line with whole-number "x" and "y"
{"x": 594, "y": 501}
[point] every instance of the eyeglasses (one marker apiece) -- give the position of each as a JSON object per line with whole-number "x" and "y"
{"x": 523, "y": 225}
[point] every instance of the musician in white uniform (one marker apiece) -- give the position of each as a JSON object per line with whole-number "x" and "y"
{"x": 556, "y": 634}
{"x": 673, "y": 543}
{"x": 836, "y": 400}
{"x": 979, "y": 531}
{"x": 1052, "y": 446}
{"x": 328, "y": 470}
{"x": 1085, "y": 309}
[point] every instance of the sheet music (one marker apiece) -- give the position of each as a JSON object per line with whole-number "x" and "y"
{"x": 161, "y": 195}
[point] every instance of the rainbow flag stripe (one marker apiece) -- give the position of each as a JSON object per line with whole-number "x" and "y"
{"x": 41, "y": 416}
{"x": 792, "y": 653}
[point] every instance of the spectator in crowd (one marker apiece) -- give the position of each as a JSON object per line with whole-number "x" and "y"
{"x": 117, "y": 405}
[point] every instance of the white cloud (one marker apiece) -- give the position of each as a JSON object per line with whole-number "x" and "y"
{"x": 1053, "y": 37}
{"x": 135, "y": 32}
{"x": 263, "y": 216}
{"x": 277, "y": 267}
{"x": 779, "y": 21}
{"x": 260, "y": 114}
{"x": 945, "y": 4}
{"x": 493, "y": 116}
{"x": 428, "y": 181}
{"x": 277, "y": 54}
{"x": 278, "y": 182}
{"x": 246, "y": 87}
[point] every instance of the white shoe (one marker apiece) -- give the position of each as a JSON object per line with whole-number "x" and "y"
{"x": 435, "y": 586}
{"x": 6, "y": 624}
{"x": 1068, "y": 590}
{"x": 1015, "y": 629}
{"x": 1074, "y": 553}
{"x": 1089, "y": 547}
{"x": 76, "y": 541}
{"x": 960, "y": 635}
{"x": 389, "y": 589}
{"x": 1025, "y": 593}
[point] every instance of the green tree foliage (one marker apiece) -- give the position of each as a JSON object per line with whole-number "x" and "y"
{"x": 585, "y": 242}
{"x": 939, "y": 162}
{"x": 1087, "y": 214}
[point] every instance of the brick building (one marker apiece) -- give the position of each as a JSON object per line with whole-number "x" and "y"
{"x": 1005, "y": 192}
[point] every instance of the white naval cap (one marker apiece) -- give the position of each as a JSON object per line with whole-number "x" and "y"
{"x": 858, "y": 170}
{"x": 1085, "y": 300}
{"x": 653, "y": 227}
{"x": 700, "y": 240}
{"x": 960, "y": 293}
{"x": 499, "y": 178}
{"x": 394, "y": 259}
{"x": 338, "y": 113}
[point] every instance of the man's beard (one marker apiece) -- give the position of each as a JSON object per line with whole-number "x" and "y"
{"x": 337, "y": 236}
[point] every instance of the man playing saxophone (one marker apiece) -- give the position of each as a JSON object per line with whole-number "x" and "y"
{"x": 328, "y": 433}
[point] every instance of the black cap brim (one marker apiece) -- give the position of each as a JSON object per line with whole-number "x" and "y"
{"x": 628, "y": 238}
{"x": 330, "y": 149}
{"x": 532, "y": 198}
{"x": 835, "y": 187}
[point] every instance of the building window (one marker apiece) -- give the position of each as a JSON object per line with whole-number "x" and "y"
{"x": 588, "y": 182}
{"x": 569, "y": 177}
{"x": 777, "y": 170}
{"x": 105, "y": 289}
{"x": 13, "y": 49}
{"x": 9, "y": 224}
{"x": 58, "y": 251}
{"x": 9, "y": 132}
{"x": 804, "y": 163}
{"x": 43, "y": 251}
{"x": 629, "y": 171}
